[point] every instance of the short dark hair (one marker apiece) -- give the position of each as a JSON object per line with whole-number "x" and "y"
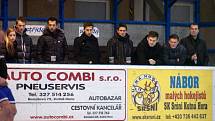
{"x": 153, "y": 34}
{"x": 174, "y": 36}
{"x": 52, "y": 18}
{"x": 194, "y": 24}
{"x": 87, "y": 24}
{"x": 21, "y": 18}
{"x": 121, "y": 25}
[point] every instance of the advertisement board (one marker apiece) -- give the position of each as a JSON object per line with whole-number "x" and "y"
{"x": 51, "y": 93}
{"x": 167, "y": 94}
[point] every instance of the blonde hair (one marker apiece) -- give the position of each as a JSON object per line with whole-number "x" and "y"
{"x": 9, "y": 44}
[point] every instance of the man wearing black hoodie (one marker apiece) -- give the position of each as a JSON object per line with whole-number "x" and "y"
{"x": 120, "y": 47}
{"x": 86, "y": 47}
{"x": 149, "y": 51}
{"x": 52, "y": 45}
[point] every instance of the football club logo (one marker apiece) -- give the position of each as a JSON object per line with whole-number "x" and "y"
{"x": 146, "y": 93}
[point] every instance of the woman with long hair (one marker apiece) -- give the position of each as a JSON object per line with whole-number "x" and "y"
{"x": 10, "y": 44}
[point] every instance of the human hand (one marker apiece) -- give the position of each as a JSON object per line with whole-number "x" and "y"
{"x": 152, "y": 62}
{"x": 177, "y": 59}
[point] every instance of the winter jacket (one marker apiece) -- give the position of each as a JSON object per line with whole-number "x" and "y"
{"x": 52, "y": 47}
{"x": 3, "y": 68}
{"x": 2, "y": 49}
{"x": 86, "y": 50}
{"x": 24, "y": 47}
{"x": 174, "y": 56}
{"x": 9, "y": 57}
{"x": 197, "y": 46}
{"x": 144, "y": 52}
{"x": 120, "y": 48}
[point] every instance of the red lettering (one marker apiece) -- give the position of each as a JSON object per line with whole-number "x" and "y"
{"x": 75, "y": 77}
{"x": 49, "y": 76}
{"x": 63, "y": 76}
{"x": 93, "y": 77}
{"x": 60, "y": 76}
{"x": 36, "y": 76}
{"x": 15, "y": 78}
{"x": 86, "y": 76}
{"x": 25, "y": 75}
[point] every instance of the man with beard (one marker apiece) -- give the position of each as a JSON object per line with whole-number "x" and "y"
{"x": 86, "y": 47}
{"x": 120, "y": 47}
{"x": 52, "y": 45}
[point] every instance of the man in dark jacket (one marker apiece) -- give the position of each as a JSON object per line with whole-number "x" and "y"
{"x": 149, "y": 51}
{"x": 23, "y": 42}
{"x": 174, "y": 53}
{"x": 86, "y": 47}
{"x": 3, "y": 68}
{"x": 120, "y": 47}
{"x": 197, "y": 53}
{"x": 52, "y": 45}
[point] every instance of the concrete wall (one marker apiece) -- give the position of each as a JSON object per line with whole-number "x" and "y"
{"x": 180, "y": 31}
{"x": 40, "y": 8}
{"x": 124, "y": 10}
{"x": 207, "y": 10}
{"x": 209, "y": 36}
{"x": 138, "y": 32}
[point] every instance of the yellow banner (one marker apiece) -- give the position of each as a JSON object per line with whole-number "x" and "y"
{"x": 169, "y": 95}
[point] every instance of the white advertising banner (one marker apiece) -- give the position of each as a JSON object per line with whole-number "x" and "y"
{"x": 58, "y": 93}
{"x": 35, "y": 30}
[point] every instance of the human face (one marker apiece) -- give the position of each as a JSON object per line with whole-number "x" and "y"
{"x": 20, "y": 26}
{"x": 194, "y": 30}
{"x": 52, "y": 25}
{"x": 173, "y": 42}
{"x": 152, "y": 41}
{"x": 88, "y": 30}
{"x": 122, "y": 31}
{"x": 12, "y": 36}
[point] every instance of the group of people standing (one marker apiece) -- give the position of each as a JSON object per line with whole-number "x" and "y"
{"x": 191, "y": 50}
{"x": 15, "y": 44}
{"x": 16, "y": 47}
